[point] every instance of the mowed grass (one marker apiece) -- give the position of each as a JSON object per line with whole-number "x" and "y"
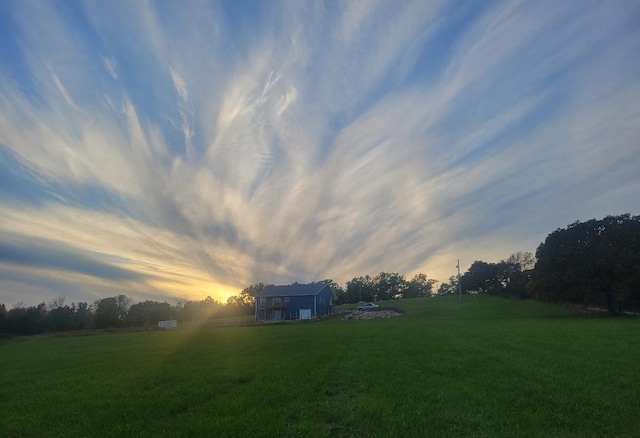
{"x": 484, "y": 367}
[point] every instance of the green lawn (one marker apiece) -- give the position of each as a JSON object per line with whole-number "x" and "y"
{"x": 483, "y": 367}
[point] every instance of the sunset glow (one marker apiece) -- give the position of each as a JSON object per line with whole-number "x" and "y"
{"x": 172, "y": 149}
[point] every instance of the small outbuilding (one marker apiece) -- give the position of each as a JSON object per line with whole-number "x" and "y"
{"x": 169, "y": 324}
{"x": 295, "y": 301}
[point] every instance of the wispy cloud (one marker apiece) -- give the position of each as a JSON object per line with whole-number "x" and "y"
{"x": 324, "y": 140}
{"x": 110, "y": 65}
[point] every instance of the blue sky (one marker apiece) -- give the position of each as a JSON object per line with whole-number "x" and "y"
{"x": 183, "y": 149}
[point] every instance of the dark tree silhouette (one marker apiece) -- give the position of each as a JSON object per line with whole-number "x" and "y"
{"x": 594, "y": 263}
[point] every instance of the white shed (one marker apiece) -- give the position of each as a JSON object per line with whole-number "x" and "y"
{"x": 169, "y": 324}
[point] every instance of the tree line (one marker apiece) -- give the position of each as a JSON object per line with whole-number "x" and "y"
{"x": 594, "y": 263}
{"x": 591, "y": 264}
{"x": 111, "y": 312}
{"x": 119, "y": 312}
{"x": 384, "y": 286}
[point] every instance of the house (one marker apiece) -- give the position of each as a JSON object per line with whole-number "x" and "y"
{"x": 296, "y": 301}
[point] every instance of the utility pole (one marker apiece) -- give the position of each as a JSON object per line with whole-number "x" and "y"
{"x": 459, "y": 284}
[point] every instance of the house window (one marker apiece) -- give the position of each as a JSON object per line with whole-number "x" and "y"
{"x": 262, "y": 299}
{"x": 286, "y": 299}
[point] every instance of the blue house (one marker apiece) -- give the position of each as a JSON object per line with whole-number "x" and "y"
{"x": 296, "y": 301}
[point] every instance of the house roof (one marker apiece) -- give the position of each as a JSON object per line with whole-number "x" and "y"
{"x": 292, "y": 290}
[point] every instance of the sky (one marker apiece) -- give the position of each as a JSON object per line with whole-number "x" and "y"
{"x": 169, "y": 150}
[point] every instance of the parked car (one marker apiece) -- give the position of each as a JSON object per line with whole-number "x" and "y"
{"x": 368, "y": 306}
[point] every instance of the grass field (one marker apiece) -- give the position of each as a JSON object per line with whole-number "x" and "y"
{"x": 484, "y": 367}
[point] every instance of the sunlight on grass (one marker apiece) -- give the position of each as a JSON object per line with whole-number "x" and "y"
{"x": 483, "y": 367}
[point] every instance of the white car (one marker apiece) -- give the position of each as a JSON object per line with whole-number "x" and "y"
{"x": 368, "y": 306}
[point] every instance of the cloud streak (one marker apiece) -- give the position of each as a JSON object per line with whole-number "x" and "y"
{"x": 327, "y": 140}
{"x": 54, "y": 256}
